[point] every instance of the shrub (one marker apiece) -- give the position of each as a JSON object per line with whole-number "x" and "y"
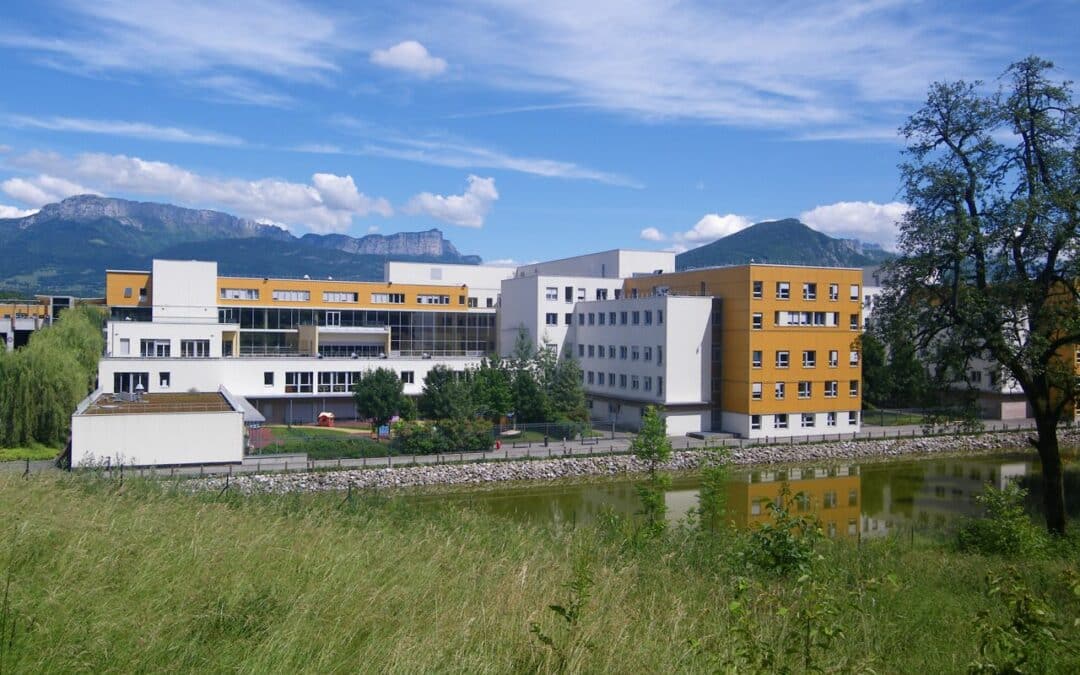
{"x": 415, "y": 438}
{"x": 785, "y": 544}
{"x": 335, "y": 448}
{"x": 470, "y": 434}
{"x": 1005, "y": 528}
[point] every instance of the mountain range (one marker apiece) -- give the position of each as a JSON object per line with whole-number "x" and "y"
{"x": 66, "y": 247}
{"x": 787, "y": 242}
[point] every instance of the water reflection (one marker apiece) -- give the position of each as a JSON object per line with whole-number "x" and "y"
{"x": 851, "y": 500}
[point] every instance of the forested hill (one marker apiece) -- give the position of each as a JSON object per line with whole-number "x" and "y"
{"x": 787, "y": 242}
{"x": 66, "y": 247}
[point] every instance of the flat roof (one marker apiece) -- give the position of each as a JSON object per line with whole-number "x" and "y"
{"x": 119, "y": 404}
{"x": 752, "y": 264}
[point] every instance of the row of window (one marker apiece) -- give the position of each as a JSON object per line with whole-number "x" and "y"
{"x": 289, "y": 295}
{"x": 632, "y": 318}
{"x": 329, "y": 382}
{"x": 623, "y": 381}
{"x": 805, "y": 389}
{"x": 570, "y": 294}
{"x": 806, "y": 420}
{"x": 152, "y": 348}
{"x": 809, "y": 358}
{"x": 809, "y": 290}
{"x": 633, "y": 352}
{"x": 821, "y": 319}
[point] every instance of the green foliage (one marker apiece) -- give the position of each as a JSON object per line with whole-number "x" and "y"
{"x": 893, "y": 375}
{"x": 415, "y": 438}
{"x": 378, "y": 395}
{"x": 530, "y": 402}
{"x": 468, "y": 434}
{"x": 445, "y": 394}
{"x": 786, "y": 544}
{"x": 1006, "y": 529}
{"x": 336, "y": 448}
{"x": 652, "y": 445}
{"x": 490, "y": 392}
{"x": 1025, "y": 639}
{"x": 566, "y": 393}
{"x": 712, "y": 495}
{"x": 580, "y": 587}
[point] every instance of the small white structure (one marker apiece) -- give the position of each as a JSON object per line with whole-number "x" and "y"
{"x": 157, "y": 430}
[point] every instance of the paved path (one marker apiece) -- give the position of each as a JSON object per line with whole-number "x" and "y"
{"x": 610, "y": 444}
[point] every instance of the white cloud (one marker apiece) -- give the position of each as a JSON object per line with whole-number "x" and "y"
{"x": 140, "y": 130}
{"x": 466, "y": 210}
{"x": 652, "y": 234}
{"x": 411, "y": 57}
{"x": 43, "y": 189}
{"x": 328, "y": 204}
{"x": 712, "y": 226}
{"x": 866, "y": 221}
{"x": 15, "y": 212}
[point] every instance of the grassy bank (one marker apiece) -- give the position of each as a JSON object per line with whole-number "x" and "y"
{"x": 136, "y": 578}
{"x": 33, "y": 452}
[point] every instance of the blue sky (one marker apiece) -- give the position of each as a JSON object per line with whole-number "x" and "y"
{"x": 524, "y": 130}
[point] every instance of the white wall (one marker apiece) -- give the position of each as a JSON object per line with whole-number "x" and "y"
{"x": 738, "y": 423}
{"x": 136, "y": 331}
{"x": 524, "y": 302}
{"x": 145, "y": 439}
{"x": 614, "y": 264}
{"x": 484, "y": 281}
{"x": 185, "y": 290}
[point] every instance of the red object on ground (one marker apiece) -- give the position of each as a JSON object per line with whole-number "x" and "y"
{"x": 326, "y": 419}
{"x": 498, "y": 445}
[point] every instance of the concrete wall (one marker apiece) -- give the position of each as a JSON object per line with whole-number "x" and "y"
{"x": 484, "y": 281}
{"x": 614, "y": 264}
{"x": 185, "y": 290}
{"x": 146, "y": 439}
{"x": 136, "y": 331}
{"x": 525, "y": 302}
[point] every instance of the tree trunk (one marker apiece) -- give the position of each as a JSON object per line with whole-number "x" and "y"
{"x": 1053, "y": 479}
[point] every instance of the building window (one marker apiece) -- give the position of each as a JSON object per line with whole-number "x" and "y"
{"x": 831, "y": 388}
{"x": 830, "y": 419}
{"x": 568, "y": 293}
{"x": 195, "y": 349}
{"x": 601, "y": 294}
{"x": 229, "y": 293}
{"x": 853, "y": 417}
{"x": 853, "y": 358}
{"x": 581, "y": 294}
{"x": 660, "y": 386}
{"x": 568, "y": 319}
{"x": 473, "y": 304}
{"x": 659, "y": 316}
{"x": 611, "y": 318}
{"x": 806, "y": 420}
{"x": 780, "y": 421}
{"x": 834, "y": 358}
{"x": 755, "y": 421}
{"x": 635, "y": 353}
{"x": 783, "y": 359}
{"x": 809, "y": 291}
{"x": 155, "y": 349}
{"x": 853, "y": 322}
{"x": 552, "y": 319}
{"x": 590, "y": 377}
{"x": 834, "y": 291}
{"x": 592, "y": 351}
{"x": 622, "y": 380}
{"x": 809, "y": 358}
{"x": 648, "y": 383}
{"x": 164, "y": 379}
{"x": 611, "y": 351}
{"x": 804, "y": 389}
{"x": 298, "y": 383}
{"x": 388, "y": 298}
{"x": 755, "y": 391}
{"x": 635, "y": 382}
{"x": 755, "y": 358}
{"x": 600, "y": 316}
{"x": 581, "y": 319}
{"x": 581, "y": 350}
{"x": 853, "y": 388}
{"x": 291, "y": 296}
{"x": 635, "y": 317}
{"x": 783, "y": 290}
{"x": 854, "y": 291}
{"x": 646, "y": 353}
{"x": 599, "y": 351}
{"x": 648, "y": 317}
{"x": 622, "y": 318}
{"x": 127, "y": 293}
{"x": 125, "y": 347}
{"x": 268, "y": 378}
{"x": 592, "y": 318}
{"x": 756, "y": 321}
{"x": 622, "y": 352}
{"x": 611, "y": 379}
{"x": 853, "y": 498}
{"x": 433, "y": 299}
{"x": 758, "y": 289}
{"x": 341, "y": 296}
{"x": 828, "y": 500}
{"x": 600, "y": 377}
{"x": 551, "y": 293}
{"x": 780, "y": 390}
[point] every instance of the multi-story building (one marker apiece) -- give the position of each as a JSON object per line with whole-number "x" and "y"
{"x": 785, "y": 357}
{"x": 483, "y": 281}
{"x": 18, "y": 321}
{"x": 636, "y": 352}
{"x": 292, "y": 347}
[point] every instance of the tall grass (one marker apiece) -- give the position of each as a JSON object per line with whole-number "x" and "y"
{"x": 141, "y": 577}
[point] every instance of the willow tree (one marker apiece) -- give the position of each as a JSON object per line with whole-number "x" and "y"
{"x": 989, "y": 260}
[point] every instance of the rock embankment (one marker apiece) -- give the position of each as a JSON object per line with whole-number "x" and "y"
{"x": 576, "y": 467}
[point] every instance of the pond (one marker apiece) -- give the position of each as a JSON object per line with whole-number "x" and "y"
{"x": 851, "y": 499}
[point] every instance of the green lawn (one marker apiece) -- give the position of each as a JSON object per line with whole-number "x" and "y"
{"x": 284, "y": 433}
{"x": 33, "y": 452}
{"x": 887, "y": 418}
{"x": 140, "y": 577}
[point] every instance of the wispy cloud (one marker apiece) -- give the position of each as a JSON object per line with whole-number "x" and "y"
{"x": 866, "y": 220}
{"x": 140, "y": 130}
{"x": 15, "y": 212}
{"x": 329, "y": 203}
